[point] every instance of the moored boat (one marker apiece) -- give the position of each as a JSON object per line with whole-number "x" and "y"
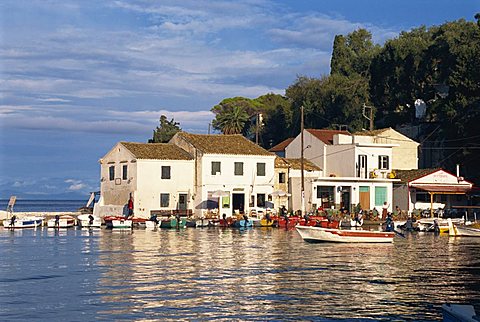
{"x": 243, "y": 223}
{"x": 320, "y": 234}
{"x": 25, "y": 222}
{"x": 89, "y": 220}
{"x": 462, "y": 230}
{"x": 117, "y": 222}
{"x": 65, "y": 221}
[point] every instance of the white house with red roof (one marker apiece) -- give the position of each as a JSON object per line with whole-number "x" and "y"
{"x": 432, "y": 189}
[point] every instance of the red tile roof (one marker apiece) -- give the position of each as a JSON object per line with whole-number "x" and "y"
{"x": 326, "y": 136}
{"x": 281, "y": 146}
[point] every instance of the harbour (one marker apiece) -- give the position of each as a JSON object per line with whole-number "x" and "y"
{"x": 230, "y": 274}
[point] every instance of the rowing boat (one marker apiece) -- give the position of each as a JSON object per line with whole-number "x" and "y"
{"x": 320, "y": 234}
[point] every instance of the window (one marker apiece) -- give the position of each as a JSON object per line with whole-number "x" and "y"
{"x": 111, "y": 171}
{"x": 261, "y": 169}
{"x": 260, "y": 199}
{"x": 281, "y": 177}
{"x": 165, "y": 172}
{"x": 124, "y": 172}
{"x": 164, "y": 200}
{"x": 383, "y": 162}
{"x": 216, "y": 168}
{"x": 239, "y": 168}
{"x": 380, "y": 195}
{"x": 326, "y": 195}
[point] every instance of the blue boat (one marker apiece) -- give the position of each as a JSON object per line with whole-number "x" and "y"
{"x": 243, "y": 224}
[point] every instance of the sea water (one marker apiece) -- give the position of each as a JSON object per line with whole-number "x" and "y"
{"x": 263, "y": 274}
{"x": 26, "y": 205}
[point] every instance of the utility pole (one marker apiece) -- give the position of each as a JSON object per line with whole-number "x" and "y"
{"x": 370, "y": 118}
{"x": 301, "y": 160}
{"x": 209, "y": 124}
{"x": 256, "y": 128}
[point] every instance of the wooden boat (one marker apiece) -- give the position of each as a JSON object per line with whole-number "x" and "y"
{"x": 462, "y": 230}
{"x": 242, "y": 223}
{"x": 89, "y": 221}
{"x": 267, "y": 223}
{"x": 26, "y": 222}
{"x": 320, "y": 234}
{"x": 459, "y": 312}
{"x": 428, "y": 224}
{"x": 172, "y": 223}
{"x": 65, "y": 221}
{"x": 117, "y": 222}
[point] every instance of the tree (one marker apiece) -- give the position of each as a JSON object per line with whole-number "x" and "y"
{"x": 231, "y": 120}
{"x": 166, "y": 130}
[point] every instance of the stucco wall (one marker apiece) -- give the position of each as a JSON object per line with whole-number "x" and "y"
{"x": 248, "y": 183}
{"x": 314, "y": 153}
{"x": 405, "y": 156}
{"x": 151, "y": 185}
{"x": 117, "y": 191}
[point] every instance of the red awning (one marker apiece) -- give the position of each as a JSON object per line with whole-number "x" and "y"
{"x": 450, "y": 188}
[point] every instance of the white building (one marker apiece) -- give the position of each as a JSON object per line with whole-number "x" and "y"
{"x": 158, "y": 176}
{"x": 241, "y": 171}
{"x": 356, "y": 169}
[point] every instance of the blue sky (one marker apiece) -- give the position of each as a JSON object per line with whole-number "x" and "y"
{"x": 79, "y": 76}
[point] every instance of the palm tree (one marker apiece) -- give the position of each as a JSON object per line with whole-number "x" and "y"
{"x": 231, "y": 120}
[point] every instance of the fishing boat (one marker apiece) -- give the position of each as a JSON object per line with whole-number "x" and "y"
{"x": 462, "y": 230}
{"x": 65, "y": 221}
{"x": 117, "y": 222}
{"x": 89, "y": 221}
{"x": 25, "y": 222}
{"x": 459, "y": 312}
{"x": 320, "y": 234}
{"x": 428, "y": 224}
{"x": 14, "y": 222}
{"x": 173, "y": 223}
{"x": 242, "y": 223}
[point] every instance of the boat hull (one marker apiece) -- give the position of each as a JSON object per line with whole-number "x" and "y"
{"x": 27, "y": 222}
{"x": 319, "y": 234}
{"x": 84, "y": 221}
{"x": 462, "y": 231}
{"x": 117, "y": 222}
{"x": 63, "y": 222}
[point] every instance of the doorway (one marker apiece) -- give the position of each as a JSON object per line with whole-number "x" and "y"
{"x": 238, "y": 200}
{"x": 345, "y": 198}
{"x": 182, "y": 201}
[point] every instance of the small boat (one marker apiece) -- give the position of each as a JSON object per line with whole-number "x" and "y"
{"x": 320, "y": 234}
{"x": 459, "y": 312}
{"x": 117, "y": 222}
{"x": 243, "y": 223}
{"x": 172, "y": 223}
{"x": 25, "y": 222}
{"x": 65, "y": 221}
{"x": 202, "y": 222}
{"x": 462, "y": 230}
{"x": 428, "y": 224}
{"x": 89, "y": 221}
{"x": 267, "y": 222}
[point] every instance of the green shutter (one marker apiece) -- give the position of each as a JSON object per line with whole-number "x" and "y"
{"x": 380, "y": 195}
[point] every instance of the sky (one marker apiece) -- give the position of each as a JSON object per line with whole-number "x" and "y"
{"x": 76, "y": 77}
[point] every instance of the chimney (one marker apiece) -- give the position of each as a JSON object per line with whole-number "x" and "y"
{"x": 458, "y": 170}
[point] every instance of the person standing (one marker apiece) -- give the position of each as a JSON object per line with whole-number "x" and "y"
{"x": 130, "y": 207}
{"x": 384, "y": 210}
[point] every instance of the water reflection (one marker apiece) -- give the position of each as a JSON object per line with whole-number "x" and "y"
{"x": 225, "y": 274}
{"x": 272, "y": 274}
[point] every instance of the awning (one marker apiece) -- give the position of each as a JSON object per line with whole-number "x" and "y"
{"x": 442, "y": 188}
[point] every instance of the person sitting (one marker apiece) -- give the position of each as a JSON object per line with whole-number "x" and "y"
{"x": 57, "y": 220}
{"x": 389, "y": 224}
{"x": 154, "y": 219}
{"x": 245, "y": 218}
{"x": 267, "y": 217}
{"x": 90, "y": 220}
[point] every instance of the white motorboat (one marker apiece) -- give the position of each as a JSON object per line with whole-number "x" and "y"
{"x": 118, "y": 222}
{"x": 320, "y": 234}
{"x": 89, "y": 221}
{"x": 462, "y": 230}
{"x": 25, "y": 222}
{"x": 65, "y": 221}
